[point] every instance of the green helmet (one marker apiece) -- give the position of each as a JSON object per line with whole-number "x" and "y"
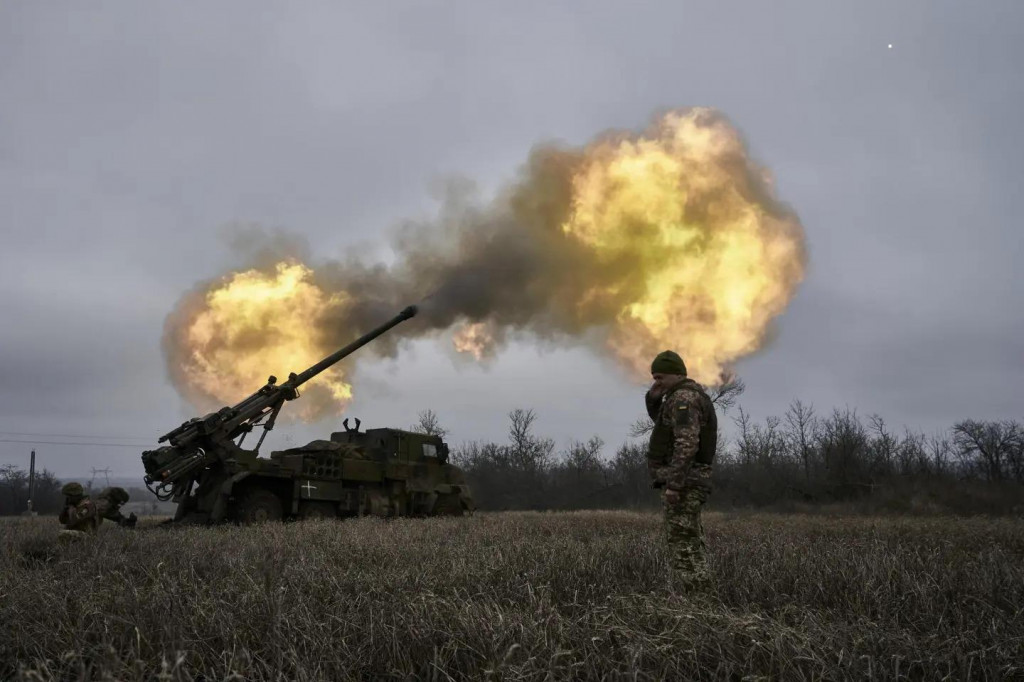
{"x": 115, "y": 495}
{"x": 72, "y": 489}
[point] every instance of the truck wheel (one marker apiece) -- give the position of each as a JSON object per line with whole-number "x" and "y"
{"x": 317, "y": 510}
{"x": 448, "y": 505}
{"x": 258, "y": 506}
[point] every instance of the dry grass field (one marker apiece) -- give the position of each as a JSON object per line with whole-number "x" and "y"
{"x": 511, "y": 596}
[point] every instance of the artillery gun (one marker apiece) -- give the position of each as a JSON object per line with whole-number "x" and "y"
{"x": 383, "y": 472}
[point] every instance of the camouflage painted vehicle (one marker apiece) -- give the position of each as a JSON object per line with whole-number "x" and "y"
{"x": 384, "y": 472}
{"x": 379, "y": 472}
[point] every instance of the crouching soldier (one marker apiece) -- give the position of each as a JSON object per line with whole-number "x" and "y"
{"x": 79, "y": 515}
{"x": 108, "y": 506}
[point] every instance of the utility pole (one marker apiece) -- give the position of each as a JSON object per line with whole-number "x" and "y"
{"x": 105, "y": 472}
{"x": 31, "y": 484}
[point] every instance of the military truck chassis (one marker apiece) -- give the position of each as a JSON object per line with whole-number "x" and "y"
{"x": 382, "y": 472}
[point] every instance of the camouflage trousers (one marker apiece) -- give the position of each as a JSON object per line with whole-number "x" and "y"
{"x": 685, "y": 537}
{"x": 65, "y": 535}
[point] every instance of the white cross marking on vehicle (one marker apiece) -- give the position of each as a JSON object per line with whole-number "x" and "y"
{"x": 308, "y": 487}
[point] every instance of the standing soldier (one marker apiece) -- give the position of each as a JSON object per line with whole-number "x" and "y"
{"x": 79, "y": 515}
{"x": 679, "y": 460}
{"x": 108, "y": 506}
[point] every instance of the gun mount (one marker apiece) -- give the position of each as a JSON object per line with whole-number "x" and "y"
{"x": 212, "y": 478}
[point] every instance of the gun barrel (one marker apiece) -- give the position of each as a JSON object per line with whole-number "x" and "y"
{"x": 333, "y": 358}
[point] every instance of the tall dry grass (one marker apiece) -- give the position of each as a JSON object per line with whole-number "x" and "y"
{"x": 514, "y": 596}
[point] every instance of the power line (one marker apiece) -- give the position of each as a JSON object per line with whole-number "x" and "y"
{"x": 68, "y": 442}
{"x": 70, "y": 435}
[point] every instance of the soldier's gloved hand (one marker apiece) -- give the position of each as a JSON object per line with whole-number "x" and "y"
{"x": 652, "y": 401}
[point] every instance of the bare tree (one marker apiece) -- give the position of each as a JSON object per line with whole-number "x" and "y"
{"x": 939, "y": 451}
{"x": 883, "y": 446}
{"x": 14, "y": 483}
{"x": 581, "y": 478}
{"x": 992, "y": 447}
{"x": 520, "y": 424}
{"x": 911, "y": 456}
{"x": 843, "y": 443}
{"x": 582, "y": 458}
{"x": 745, "y": 443}
{"x": 800, "y": 419}
{"x": 14, "y": 491}
{"x": 763, "y": 445}
{"x": 1015, "y": 453}
{"x": 429, "y": 424}
{"x": 772, "y": 445}
{"x": 530, "y": 452}
{"x": 641, "y": 427}
{"x": 629, "y": 467}
{"x": 725, "y": 395}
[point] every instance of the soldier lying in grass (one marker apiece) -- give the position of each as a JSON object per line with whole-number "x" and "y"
{"x": 81, "y": 516}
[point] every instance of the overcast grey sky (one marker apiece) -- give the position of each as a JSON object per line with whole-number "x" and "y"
{"x": 131, "y": 133}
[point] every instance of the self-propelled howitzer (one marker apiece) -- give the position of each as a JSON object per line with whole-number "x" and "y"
{"x": 211, "y": 477}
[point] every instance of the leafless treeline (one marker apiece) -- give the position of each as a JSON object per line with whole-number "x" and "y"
{"x": 842, "y": 456}
{"x": 801, "y": 457}
{"x": 14, "y": 491}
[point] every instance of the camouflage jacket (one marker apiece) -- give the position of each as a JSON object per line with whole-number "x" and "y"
{"x": 675, "y": 441}
{"x": 81, "y": 516}
{"x": 108, "y": 509}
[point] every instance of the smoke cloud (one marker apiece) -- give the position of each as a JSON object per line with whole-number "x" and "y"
{"x": 633, "y": 243}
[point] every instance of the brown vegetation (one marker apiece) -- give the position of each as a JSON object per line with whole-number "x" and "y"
{"x": 515, "y": 595}
{"x": 14, "y": 492}
{"x": 802, "y": 461}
